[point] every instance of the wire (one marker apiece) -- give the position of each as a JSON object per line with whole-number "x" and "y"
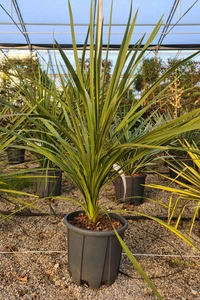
{"x": 180, "y": 268}
{"x": 123, "y": 253}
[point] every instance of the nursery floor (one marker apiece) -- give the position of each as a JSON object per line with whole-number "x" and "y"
{"x": 34, "y": 258}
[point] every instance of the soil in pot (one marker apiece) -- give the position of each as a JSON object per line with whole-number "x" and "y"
{"x": 134, "y": 189}
{"x": 94, "y": 254}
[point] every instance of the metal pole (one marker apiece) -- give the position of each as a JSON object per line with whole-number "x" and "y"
{"x": 100, "y": 12}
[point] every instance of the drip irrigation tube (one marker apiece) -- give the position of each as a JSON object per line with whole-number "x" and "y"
{"x": 33, "y": 214}
{"x": 164, "y": 218}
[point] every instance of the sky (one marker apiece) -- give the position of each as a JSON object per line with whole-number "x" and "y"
{"x": 47, "y": 20}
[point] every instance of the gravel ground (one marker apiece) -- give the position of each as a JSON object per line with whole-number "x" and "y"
{"x": 34, "y": 263}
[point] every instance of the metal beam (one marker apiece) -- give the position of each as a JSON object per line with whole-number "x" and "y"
{"x": 22, "y": 23}
{"x": 105, "y": 24}
{"x": 116, "y": 47}
{"x": 99, "y": 22}
{"x": 169, "y": 19}
{"x": 51, "y": 63}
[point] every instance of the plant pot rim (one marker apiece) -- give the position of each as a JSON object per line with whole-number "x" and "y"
{"x": 95, "y": 232}
{"x": 135, "y": 175}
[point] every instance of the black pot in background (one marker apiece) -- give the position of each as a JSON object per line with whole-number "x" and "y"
{"x": 134, "y": 189}
{"x": 93, "y": 256}
{"x": 177, "y": 165}
{"x": 49, "y": 186}
{"x": 15, "y": 155}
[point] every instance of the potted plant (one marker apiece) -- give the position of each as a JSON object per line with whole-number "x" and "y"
{"x": 49, "y": 176}
{"x": 129, "y": 184}
{"x": 48, "y": 181}
{"x": 132, "y": 172}
{"x": 82, "y": 149}
{"x": 15, "y": 154}
{"x": 7, "y": 192}
{"x": 186, "y": 193}
{"x": 11, "y": 69}
{"x": 178, "y": 156}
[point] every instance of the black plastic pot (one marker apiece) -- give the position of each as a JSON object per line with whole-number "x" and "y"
{"x": 15, "y": 156}
{"x": 177, "y": 166}
{"x": 93, "y": 256}
{"x": 134, "y": 189}
{"x": 49, "y": 184}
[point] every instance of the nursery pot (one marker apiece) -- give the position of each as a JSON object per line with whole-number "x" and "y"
{"x": 15, "y": 155}
{"x": 93, "y": 256}
{"x": 134, "y": 189}
{"x": 176, "y": 162}
{"x": 49, "y": 184}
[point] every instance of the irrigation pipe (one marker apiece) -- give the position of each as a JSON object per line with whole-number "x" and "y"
{"x": 135, "y": 218}
{"x": 30, "y": 214}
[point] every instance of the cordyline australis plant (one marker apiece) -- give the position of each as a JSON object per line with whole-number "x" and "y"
{"x": 186, "y": 193}
{"x": 87, "y": 107}
{"x": 7, "y": 193}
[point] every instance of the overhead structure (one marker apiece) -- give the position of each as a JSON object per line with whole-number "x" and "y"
{"x": 22, "y": 25}
{"x": 37, "y": 24}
